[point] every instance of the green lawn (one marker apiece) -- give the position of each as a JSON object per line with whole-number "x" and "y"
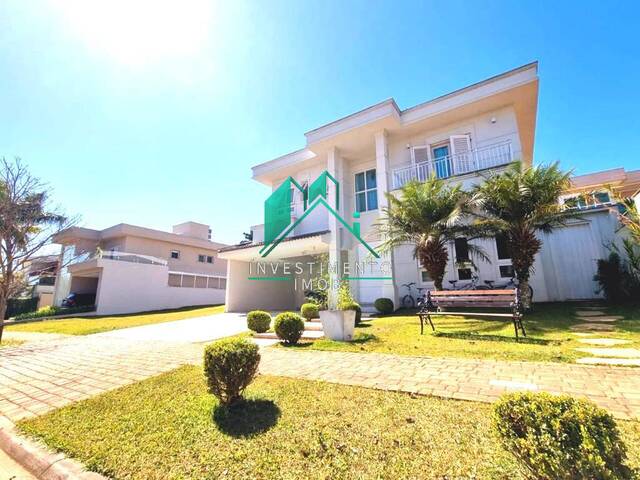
{"x": 10, "y": 343}
{"x": 88, "y": 325}
{"x": 168, "y": 427}
{"x": 549, "y": 338}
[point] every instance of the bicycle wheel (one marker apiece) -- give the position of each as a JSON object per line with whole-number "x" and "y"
{"x": 408, "y": 301}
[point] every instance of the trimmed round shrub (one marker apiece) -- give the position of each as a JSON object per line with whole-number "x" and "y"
{"x": 354, "y": 306}
{"x": 229, "y": 367}
{"x": 384, "y": 305}
{"x": 309, "y": 311}
{"x": 289, "y": 327}
{"x": 560, "y": 437}
{"x": 258, "y": 321}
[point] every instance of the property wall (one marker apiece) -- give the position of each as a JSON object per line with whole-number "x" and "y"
{"x": 563, "y": 270}
{"x": 126, "y": 287}
{"x": 244, "y": 295}
{"x": 188, "y": 261}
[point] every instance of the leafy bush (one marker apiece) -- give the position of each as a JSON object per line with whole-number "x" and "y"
{"x": 560, "y": 437}
{"x": 229, "y": 367}
{"x": 20, "y": 306}
{"x": 50, "y": 311}
{"x": 384, "y": 305}
{"x": 309, "y": 311}
{"x": 354, "y": 306}
{"x": 258, "y": 321}
{"x": 617, "y": 282}
{"x": 289, "y": 327}
{"x": 347, "y": 302}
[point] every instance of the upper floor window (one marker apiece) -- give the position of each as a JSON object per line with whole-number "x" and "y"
{"x": 175, "y": 254}
{"x": 366, "y": 192}
{"x": 205, "y": 259}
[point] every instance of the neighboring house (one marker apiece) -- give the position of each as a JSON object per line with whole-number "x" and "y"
{"x": 605, "y": 188}
{"x": 131, "y": 269}
{"x": 41, "y": 276}
{"x": 463, "y": 137}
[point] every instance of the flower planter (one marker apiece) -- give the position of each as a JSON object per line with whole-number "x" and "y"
{"x": 338, "y": 324}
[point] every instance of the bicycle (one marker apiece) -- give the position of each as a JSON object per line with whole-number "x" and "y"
{"x": 473, "y": 285}
{"x": 512, "y": 283}
{"x": 408, "y": 301}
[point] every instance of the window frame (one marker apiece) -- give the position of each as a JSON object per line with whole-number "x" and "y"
{"x": 210, "y": 259}
{"x": 202, "y": 258}
{"x": 365, "y": 191}
{"x": 177, "y": 252}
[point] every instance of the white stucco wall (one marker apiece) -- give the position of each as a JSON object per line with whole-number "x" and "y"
{"x": 244, "y": 295}
{"x": 126, "y": 287}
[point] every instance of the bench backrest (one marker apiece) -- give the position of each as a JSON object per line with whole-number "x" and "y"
{"x": 473, "y": 298}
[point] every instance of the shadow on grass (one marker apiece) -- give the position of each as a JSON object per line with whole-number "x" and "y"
{"x": 364, "y": 338}
{"x": 246, "y": 418}
{"x": 495, "y": 338}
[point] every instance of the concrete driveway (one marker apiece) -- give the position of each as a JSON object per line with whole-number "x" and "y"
{"x": 192, "y": 330}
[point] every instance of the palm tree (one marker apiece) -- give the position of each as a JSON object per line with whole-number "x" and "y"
{"x": 520, "y": 203}
{"x": 429, "y": 215}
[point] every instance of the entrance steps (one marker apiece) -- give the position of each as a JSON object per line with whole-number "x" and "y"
{"x": 312, "y": 331}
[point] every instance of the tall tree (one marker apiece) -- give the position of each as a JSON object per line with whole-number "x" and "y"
{"x": 520, "y": 203}
{"x": 428, "y": 215}
{"x": 27, "y": 224}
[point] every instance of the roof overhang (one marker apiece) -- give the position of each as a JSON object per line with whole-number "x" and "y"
{"x": 352, "y": 134}
{"x": 308, "y": 244}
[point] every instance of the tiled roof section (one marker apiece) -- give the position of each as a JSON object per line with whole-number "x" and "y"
{"x": 258, "y": 244}
{"x": 598, "y": 178}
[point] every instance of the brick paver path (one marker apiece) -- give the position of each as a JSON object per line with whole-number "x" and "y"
{"x": 614, "y": 388}
{"x": 38, "y": 377}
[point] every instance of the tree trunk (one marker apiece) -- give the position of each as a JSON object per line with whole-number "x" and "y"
{"x": 3, "y": 311}
{"x": 524, "y": 245}
{"x": 433, "y": 257}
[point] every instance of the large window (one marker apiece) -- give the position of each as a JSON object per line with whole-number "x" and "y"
{"x": 504, "y": 256}
{"x": 366, "y": 191}
{"x": 462, "y": 259}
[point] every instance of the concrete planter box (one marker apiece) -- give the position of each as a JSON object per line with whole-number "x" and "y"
{"x": 338, "y": 324}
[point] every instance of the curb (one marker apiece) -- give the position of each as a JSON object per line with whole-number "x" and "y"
{"x": 38, "y": 460}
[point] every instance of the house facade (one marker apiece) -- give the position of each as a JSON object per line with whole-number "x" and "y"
{"x": 131, "y": 269}
{"x": 461, "y": 137}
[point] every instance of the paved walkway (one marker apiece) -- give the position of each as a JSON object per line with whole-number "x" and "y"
{"x": 614, "y": 388}
{"x": 40, "y": 376}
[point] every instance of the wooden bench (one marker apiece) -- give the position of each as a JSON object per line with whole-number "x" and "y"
{"x": 491, "y": 299}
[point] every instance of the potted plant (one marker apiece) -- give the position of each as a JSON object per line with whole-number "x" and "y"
{"x": 338, "y": 323}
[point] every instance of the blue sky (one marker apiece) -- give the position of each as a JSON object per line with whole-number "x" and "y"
{"x": 153, "y": 116}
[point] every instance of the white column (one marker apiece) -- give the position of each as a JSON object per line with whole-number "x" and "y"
{"x": 335, "y": 166}
{"x": 389, "y": 289}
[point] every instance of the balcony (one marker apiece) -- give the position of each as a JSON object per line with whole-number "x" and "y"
{"x": 457, "y": 164}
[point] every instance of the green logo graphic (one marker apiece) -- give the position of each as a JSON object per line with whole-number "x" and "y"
{"x": 277, "y": 211}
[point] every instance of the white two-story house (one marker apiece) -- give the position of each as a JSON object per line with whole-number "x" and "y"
{"x": 462, "y": 137}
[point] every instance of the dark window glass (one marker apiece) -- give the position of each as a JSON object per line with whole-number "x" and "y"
{"x": 175, "y": 254}
{"x": 464, "y": 273}
{"x": 361, "y": 204}
{"x": 209, "y": 259}
{"x": 506, "y": 271}
{"x": 359, "y": 182}
{"x": 503, "y": 247}
{"x": 372, "y": 199}
{"x": 602, "y": 197}
{"x": 201, "y": 258}
{"x": 426, "y": 277}
{"x": 371, "y": 179}
{"x": 462, "y": 250}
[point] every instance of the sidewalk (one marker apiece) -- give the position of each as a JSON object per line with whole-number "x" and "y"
{"x": 615, "y": 388}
